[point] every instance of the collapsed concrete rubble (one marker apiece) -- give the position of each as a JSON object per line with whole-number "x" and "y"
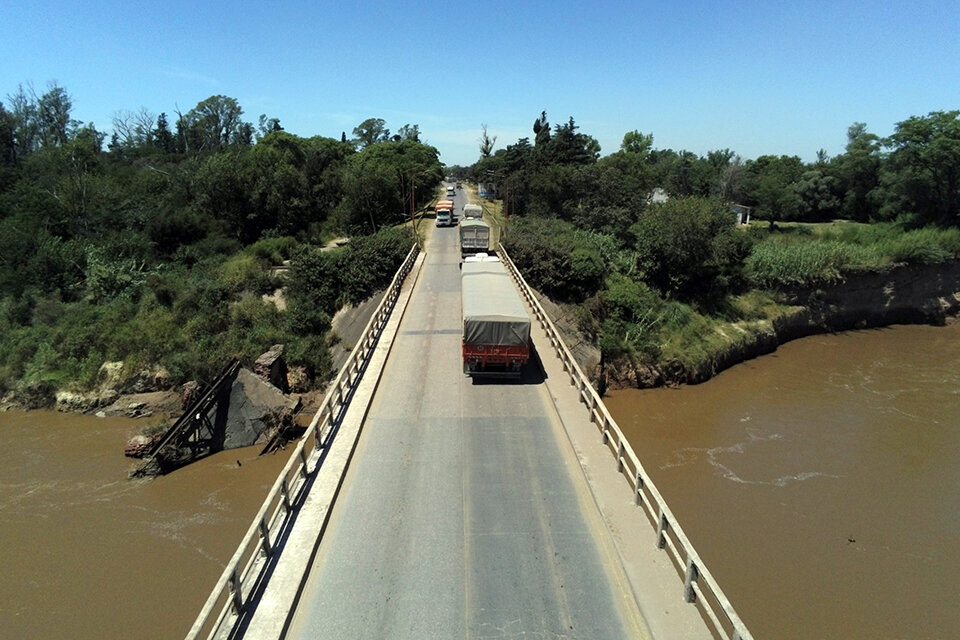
{"x": 241, "y": 408}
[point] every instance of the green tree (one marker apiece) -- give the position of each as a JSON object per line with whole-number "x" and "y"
{"x": 379, "y": 180}
{"x": 567, "y": 146}
{"x": 370, "y": 132}
{"x": 924, "y": 166}
{"x": 25, "y": 122}
{"x": 769, "y": 185}
{"x": 563, "y": 262}
{"x": 689, "y": 245}
{"x": 486, "y": 142}
{"x": 162, "y": 137}
{"x": 53, "y": 114}
{"x": 637, "y": 143}
{"x": 541, "y": 130}
{"x": 8, "y": 147}
{"x": 214, "y": 123}
{"x": 623, "y": 178}
{"x": 409, "y": 132}
{"x": 858, "y": 170}
{"x": 819, "y": 194}
{"x": 267, "y": 125}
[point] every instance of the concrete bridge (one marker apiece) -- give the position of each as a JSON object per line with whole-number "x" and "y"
{"x": 426, "y": 504}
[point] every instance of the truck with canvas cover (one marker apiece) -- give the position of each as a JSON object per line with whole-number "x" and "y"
{"x": 472, "y": 211}
{"x": 496, "y": 327}
{"x": 474, "y": 237}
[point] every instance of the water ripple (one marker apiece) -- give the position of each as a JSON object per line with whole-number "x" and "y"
{"x": 691, "y": 455}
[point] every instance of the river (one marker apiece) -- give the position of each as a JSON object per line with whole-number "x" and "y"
{"x": 820, "y": 483}
{"x": 89, "y": 554}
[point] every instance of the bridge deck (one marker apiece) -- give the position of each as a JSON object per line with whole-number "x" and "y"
{"x": 466, "y": 514}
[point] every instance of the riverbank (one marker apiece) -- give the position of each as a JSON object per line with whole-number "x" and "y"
{"x": 904, "y": 294}
{"x": 149, "y": 392}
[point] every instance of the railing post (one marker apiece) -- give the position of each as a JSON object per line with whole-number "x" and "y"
{"x": 235, "y": 586}
{"x": 265, "y": 537}
{"x": 689, "y": 577}
{"x": 620, "y": 452}
{"x": 285, "y": 493}
{"x": 303, "y": 468}
{"x": 638, "y": 498}
{"x": 662, "y": 532}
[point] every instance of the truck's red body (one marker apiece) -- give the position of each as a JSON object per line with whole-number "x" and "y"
{"x": 480, "y": 358}
{"x": 496, "y": 327}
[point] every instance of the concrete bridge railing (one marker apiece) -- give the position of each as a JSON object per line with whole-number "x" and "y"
{"x": 246, "y": 570}
{"x": 699, "y": 586}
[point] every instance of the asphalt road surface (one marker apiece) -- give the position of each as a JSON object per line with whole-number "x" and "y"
{"x": 462, "y": 515}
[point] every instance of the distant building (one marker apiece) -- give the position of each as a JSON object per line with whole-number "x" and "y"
{"x": 487, "y": 190}
{"x": 742, "y": 212}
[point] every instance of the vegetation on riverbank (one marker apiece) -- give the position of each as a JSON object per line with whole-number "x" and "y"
{"x": 166, "y": 244}
{"x": 664, "y": 281}
{"x": 161, "y": 245}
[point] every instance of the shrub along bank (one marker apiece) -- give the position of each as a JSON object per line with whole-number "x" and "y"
{"x": 191, "y": 320}
{"x": 690, "y": 293}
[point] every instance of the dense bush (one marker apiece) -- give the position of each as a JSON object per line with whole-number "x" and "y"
{"x": 321, "y": 281}
{"x": 689, "y": 246}
{"x": 561, "y": 261}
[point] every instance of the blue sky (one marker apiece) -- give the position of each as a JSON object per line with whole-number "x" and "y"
{"x": 756, "y": 77}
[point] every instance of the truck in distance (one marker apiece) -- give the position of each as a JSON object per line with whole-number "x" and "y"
{"x": 444, "y": 211}
{"x": 474, "y": 237}
{"x": 472, "y": 211}
{"x": 496, "y": 327}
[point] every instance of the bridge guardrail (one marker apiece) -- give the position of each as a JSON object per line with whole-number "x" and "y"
{"x": 699, "y": 585}
{"x": 244, "y": 572}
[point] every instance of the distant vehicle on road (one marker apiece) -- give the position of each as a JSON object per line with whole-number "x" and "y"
{"x": 474, "y": 237}
{"x": 451, "y": 192}
{"x": 444, "y": 211}
{"x": 472, "y": 211}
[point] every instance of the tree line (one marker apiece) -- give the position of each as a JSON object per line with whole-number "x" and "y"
{"x": 912, "y": 175}
{"x": 158, "y": 233}
{"x": 644, "y": 241}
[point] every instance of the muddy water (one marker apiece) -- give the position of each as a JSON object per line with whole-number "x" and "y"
{"x": 87, "y": 553}
{"x": 821, "y": 483}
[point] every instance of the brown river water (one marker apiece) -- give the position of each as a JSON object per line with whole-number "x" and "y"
{"x": 820, "y": 483}
{"x": 88, "y": 554}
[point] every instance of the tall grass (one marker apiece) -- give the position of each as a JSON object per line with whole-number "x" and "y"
{"x": 782, "y": 262}
{"x": 823, "y": 259}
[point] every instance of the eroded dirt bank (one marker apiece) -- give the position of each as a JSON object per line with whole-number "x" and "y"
{"x": 914, "y": 294}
